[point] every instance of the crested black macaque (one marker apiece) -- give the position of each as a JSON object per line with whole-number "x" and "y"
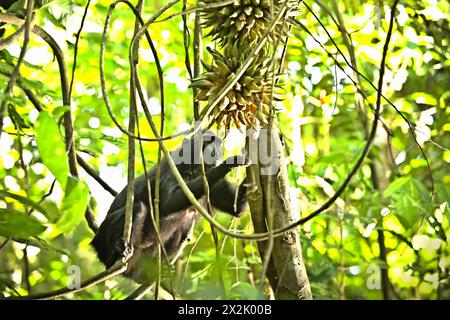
{"x": 176, "y": 212}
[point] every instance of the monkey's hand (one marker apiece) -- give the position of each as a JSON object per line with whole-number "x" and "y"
{"x": 124, "y": 249}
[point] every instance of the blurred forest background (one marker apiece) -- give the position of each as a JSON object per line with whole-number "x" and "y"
{"x": 387, "y": 230}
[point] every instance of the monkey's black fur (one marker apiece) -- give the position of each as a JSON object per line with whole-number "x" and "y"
{"x": 176, "y": 212}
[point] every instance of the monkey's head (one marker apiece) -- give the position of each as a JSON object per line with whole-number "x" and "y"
{"x": 189, "y": 152}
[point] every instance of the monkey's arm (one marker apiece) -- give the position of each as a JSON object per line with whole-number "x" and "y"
{"x": 175, "y": 199}
{"x": 226, "y": 198}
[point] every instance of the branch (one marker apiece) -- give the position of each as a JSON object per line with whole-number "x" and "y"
{"x": 129, "y": 204}
{"x": 140, "y": 292}
{"x": 194, "y": 74}
{"x": 383, "y": 96}
{"x": 102, "y": 73}
{"x": 186, "y": 42}
{"x": 68, "y": 127}
{"x": 217, "y": 5}
{"x": 174, "y": 169}
{"x": 95, "y": 175}
{"x": 31, "y": 96}
{"x": 372, "y": 133}
{"x": 13, "y": 37}
{"x": 101, "y": 277}
{"x": 132, "y": 85}
{"x": 75, "y": 51}
{"x": 4, "y": 243}
{"x": 23, "y": 50}
{"x": 198, "y": 45}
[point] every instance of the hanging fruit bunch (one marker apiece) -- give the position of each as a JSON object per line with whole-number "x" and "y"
{"x": 248, "y": 98}
{"x": 236, "y": 28}
{"x": 245, "y": 20}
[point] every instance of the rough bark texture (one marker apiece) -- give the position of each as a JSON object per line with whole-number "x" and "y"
{"x": 286, "y": 270}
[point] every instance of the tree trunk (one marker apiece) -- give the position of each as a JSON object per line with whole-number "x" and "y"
{"x": 286, "y": 270}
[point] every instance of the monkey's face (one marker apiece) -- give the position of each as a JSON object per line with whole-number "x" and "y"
{"x": 189, "y": 152}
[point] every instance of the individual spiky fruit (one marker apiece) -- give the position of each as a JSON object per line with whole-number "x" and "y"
{"x": 250, "y": 97}
{"x": 245, "y": 20}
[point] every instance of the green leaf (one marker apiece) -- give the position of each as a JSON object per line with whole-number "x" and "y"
{"x": 443, "y": 192}
{"x": 420, "y": 191}
{"x": 52, "y": 211}
{"x": 395, "y": 186}
{"x": 409, "y": 197}
{"x": 408, "y": 213}
{"x": 16, "y": 117}
{"x": 59, "y": 111}
{"x": 19, "y": 224}
{"x": 51, "y": 147}
{"x": 245, "y": 290}
{"x": 73, "y": 205}
{"x": 24, "y": 201}
{"x": 39, "y": 243}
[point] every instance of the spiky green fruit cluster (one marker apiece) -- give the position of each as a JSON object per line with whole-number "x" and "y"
{"x": 236, "y": 28}
{"x": 249, "y": 98}
{"x": 245, "y": 20}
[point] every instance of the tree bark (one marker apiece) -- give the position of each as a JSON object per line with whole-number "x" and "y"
{"x": 286, "y": 269}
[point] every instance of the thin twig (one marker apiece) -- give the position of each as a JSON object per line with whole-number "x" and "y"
{"x": 188, "y": 193}
{"x": 101, "y": 277}
{"x": 102, "y": 67}
{"x": 186, "y": 42}
{"x": 75, "y": 50}
{"x": 4, "y": 243}
{"x": 198, "y": 56}
{"x": 217, "y": 5}
{"x": 408, "y": 122}
{"x": 16, "y": 72}
{"x": 132, "y": 119}
{"x": 89, "y": 170}
{"x": 140, "y": 292}
{"x": 13, "y": 37}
